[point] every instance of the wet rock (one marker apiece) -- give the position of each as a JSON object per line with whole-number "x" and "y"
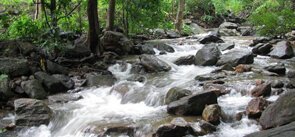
{"x": 34, "y": 89}
{"x": 178, "y": 128}
{"x": 277, "y": 91}
{"x": 31, "y": 112}
{"x": 226, "y": 46}
{"x": 228, "y": 32}
{"x": 175, "y": 94}
{"x": 262, "y": 49}
{"x": 79, "y": 50}
{"x": 282, "y": 50}
{"x": 261, "y": 90}
{"x": 236, "y": 57}
{"x": 282, "y": 131}
{"x": 217, "y": 88}
{"x": 54, "y": 68}
{"x": 159, "y": 33}
{"x": 186, "y": 60}
{"x": 202, "y": 128}
{"x": 211, "y": 76}
{"x": 50, "y": 83}
{"x": 277, "y": 84}
{"x": 280, "y": 112}
{"x": 137, "y": 68}
{"x": 5, "y": 91}
{"x": 210, "y": 38}
{"x": 246, "y": 31}
{"x": 255, "y": 107}
{"x": 172, "y": 34}
{"x": 212, "y": 114}
{"x": 290, "y": 84}
{"x": 277, "y": 68}
{"x": 118, "y": 131}
{"x": 207, "y": 56}
{"x": 242, "y": 68}
{"x": 142, "y": 49}
{"x": 229, "y": 25}
{"x": 65, "y": 80}
{"x": 193, "y": 104}
{"x": 116, "y": 42}
{"x": 161, "y": 46}
{"x": 15, "y": 48}
{"x": 63, "y": 98}
{"x": 152, "y": 64}
{"x": 260, "y": 40}
{"x": 291, "y": 74}
{"x": 96, "y": 79}
{"x": 14, "y": 67}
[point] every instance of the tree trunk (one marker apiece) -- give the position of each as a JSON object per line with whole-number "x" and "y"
{"x": 111, "y": 15}
{"x": 179, "y": 17}
{"x": 93, "y": 33}
{"x": 53, "y": 14}
{"x": 38, "y": 9}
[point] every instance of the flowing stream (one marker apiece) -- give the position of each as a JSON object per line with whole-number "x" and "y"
{"x": 143, "y": 105}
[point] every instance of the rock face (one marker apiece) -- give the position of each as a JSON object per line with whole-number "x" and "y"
{"x": 282, "y": 50}
{"x": 96, "y": 79}
{"x": 33, "y": 88}
{"x": 236, "y": 57}
{"x": 5, "y": 91}
{"x": 176, "y": 93}
{"x": 261, "y": 90}
{"x": 279, "y": 113}
{"x": 255, "y": 107}
{"x": 283, "y": 131}
{"x": 152, "y": 64}
{"x": 50, "y": 83}
{"x": 212, "y": 114}
{"x": 116, "y": 42}
{"x": 207, "y": 56}
{"x": 193, "y": 104}
{"x": 14, "y": 67}
{"x": 186, "y": 60}
{"x": 31, "y": 112}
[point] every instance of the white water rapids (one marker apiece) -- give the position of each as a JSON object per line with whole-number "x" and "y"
{"x": 100, "y": 107}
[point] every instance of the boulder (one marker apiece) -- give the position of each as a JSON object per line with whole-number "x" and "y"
{"x": 226, "y": 46}
{"x": 277, "y": 84}
{"x": 212, "y": 114}
{"x": 246, "y": 31}
{"x": 55, "y": 68}
{"x": 79, "y": 50}
{"x": 15, "y": 48}
{"x": 279, "y": 113}
{"x": 236, "y": 57}
{"x": 260, "y": 40}
{"x": 202, "y": 128}
{"x": 65, "y": 80}
{"x": 33, "y": 88}
{"x": 185, "y": 60}
{"x": 207, "y": 56}
{"x": 159, "y": 33}
{"x": 210, "y": 77}
{"x": 175, "y": 94}
{"x": 142, "y": 49}
{"x": 63, "y": 98}
{"x": 161, "y": 46}
{"x": 152, "y": 64}
{"x": 282, "y": 131}
{"x": 98, "y": 79}
{"x": 277, "y": 68}
{"x": 229, "y": 25}
{"x": 14, "y": 67}
{"x": 172, "y": 34}
{"x": 50, "y": 83}
{"x": 261, "y": 90}
{"x": 217, "y": 88}
{"x": 116, "y": 42}
{"x": 178, "y": 128}
{"x": 291, "y": 74}
{"x": 31, "y": 112}
{"x": 282, "y": 50}
{"x": 262, "y": 49}
{"x": 193, "y": 104}
{"x": 228, "y": 32}
{"x": 5, "y": 91}
{"x": 210, "y": 38}
{"x": 255, "y": 107}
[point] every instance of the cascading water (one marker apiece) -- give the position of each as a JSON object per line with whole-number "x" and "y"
{"x": 142, "y": 106}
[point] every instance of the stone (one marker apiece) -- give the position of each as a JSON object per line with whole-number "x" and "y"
{"x": 78, "y": 50}
{"x": 34, "y": 89}
{"x": 277, "y": 84}
{"x": 242, "y": 68}
{"x": 226, "y": 46}
{"x": 262, "y": 49}
{"x": 55, "y": 68}
{"x": 210, "y": 38}
{"x": 217, "y": 88}
{"x": 116, "y": 42}
{"x": 161, "y": 46}
{"x": 229, "y": 25}
{"x": 210, "y": 77}
{"x": 185, "y": 60}
{"x": 228, "y": 32}
{"x": 172, "y": 34}
{"x": 279, "y": 113}
{"x": 14, "y": 67}
{"x": 142, "y": 49}
{"x": 15, "y": 48}
{"x": 261, "y": 90}
{"x": 236, "y": 57}
{"x": 65, "y": 80}
{"x": 291, "y": 74}
{"x": 63, "y": 98}
{"x": 279, "y": 68}
{"x": 152, "y": 64}
{"x": 207, "y": 56}
{"x": 282, "y": 50}
{"x": 175, "y": 94}
{"x": 50, "y": 83}
{"x": 212, "y": 114}
{"x": 255, "y": 107}
{"x": 31, "y": 112}
{"x": 178, "y": 128}
{"x": 282, "y": 131}
{"x": 5, "y": 91}
{"x": 96, "y": 79}
{"x": 202, "y": 128}
{"x": 193, "y": 104}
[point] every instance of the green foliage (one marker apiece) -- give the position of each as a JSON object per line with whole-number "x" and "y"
{"x": 3, "y": 76}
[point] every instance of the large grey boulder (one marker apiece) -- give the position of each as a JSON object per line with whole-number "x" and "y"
{"x": 185, "y": 60}
{"x": 33, "y": 88}
{"x": 236, "y": 57}
{"x": 5, "y": 91}
{"x": 176, "y": 93}
{"x": 50, "y": 83}
{"x": 283, "y": 131}
{"x": 279, "y": 113}
{"x": 193, "y": 104}
{"x": 55, "y": 68}
{"x": 210, "y": 38}
{"x": 229, "y": 25}
{"x": 65, "y": 80}
{"x": 98, "y": 79}
{"x": 14, "y": 67}
{"x": 152, "y": 64}
{"x": 207, "y": 56}
{"x": 116, "y": 42}
{"x": 31, "y": 112}
{"x": 282, "y": 50}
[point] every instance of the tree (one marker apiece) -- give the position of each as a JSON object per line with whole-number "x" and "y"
{"x": 93, "y": 32}
{"x": 111, "y": 15}
{"x": 179, "y": 17}
{"x": 38, "y": 9}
